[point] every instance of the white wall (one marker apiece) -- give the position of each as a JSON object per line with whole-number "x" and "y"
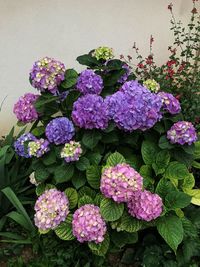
{"x": 64, "y": 29}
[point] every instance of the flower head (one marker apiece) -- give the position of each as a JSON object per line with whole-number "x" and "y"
{"x": 145, "y": 206}
{"x": 103, "y": 52}
{"x": 152, "y": 85}
{"x": 170, "y": 103}
{"x": 71, "y": 151}
{"x": 89, "y": 112}
{"x": 182, "y": 132}
{"x": 19, "y": 144}
{"x": 38, "y": 148}
{"x": 88, "y": 224}
{"x": 51, "y": 208}
{"x": 60, "y": 131}
{"x": 47, "y": 74}
{"x": 89, "y": 82}
{"x": 33, "y": 180}
{"x": 134, "y": 107}
{"x": 124, "y": 77}
{"x": 120, "y": 182}
{"x": 24, "y": 108}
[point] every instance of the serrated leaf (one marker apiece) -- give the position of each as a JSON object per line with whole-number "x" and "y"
{"x": 195, "y": 194}
{"x": 82, "y": 164}
{"x": 188, "y": 182}
{"x": 63, "y": 173}
{"x": 174, "y": 200}
{"x": 146, "y": 173}
{"x": 88, "y": 60}
{"x": 49, "y": 158}
{"x": 171, "y": 229}
{"x": 162, "y": 161}
{"x": 196, "y": 164}
{"x": 78, "y": 179}
{"x": 42, "y": 187}
{"x": 94, "y": 158}
{"x": 93, "y": 174}
{"x": 114, "y": 159}
{"x": 176, "y": 170}
{"x": 110, "y": 210}
{"x": 72, "y": 196}
{"x": 91, "y": 139}
{"x": 64, "y": 230}
{"x": 85, "y": 200}
{"x": 38, "y": 131}
{"x": 164, "y": 186}
{"x": 149, "y": 151}
{"x": 41, "y": 174}
{"x": 129, "y": 224}
{"x": 85, "y": 190}
{"x": 70, "y": 78}
{"x": 164, "y": 143}
{"x": 120, "y": 239}
{"x": 101, "y": 248}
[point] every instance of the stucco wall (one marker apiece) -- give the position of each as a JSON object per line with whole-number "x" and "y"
{"x": 64, "y": 29}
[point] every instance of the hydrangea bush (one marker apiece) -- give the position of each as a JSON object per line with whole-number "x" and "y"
{"x": 109, "y": 156}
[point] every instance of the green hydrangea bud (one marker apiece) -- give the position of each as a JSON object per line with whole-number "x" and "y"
{"x": 103, "y": 52}
{"x": 152, "y": 85}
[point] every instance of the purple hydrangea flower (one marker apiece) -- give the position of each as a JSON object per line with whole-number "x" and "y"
{"x": 90, "y": 111}
{"x": 134, "y": 107}
{"x": 88, "y": 224}
{"x": 145, "y": 206}
{"x": 38, "y": 148}
{"x": 20, "y": 146}
{"x": 170, "y": 103}
{"x": 51, "y": 208}
{"x": 120, "y": 182}
{"x": 47, "y": 74}
{"x": 89, "y": 82}
{"x": 124, "y": 77}
{"x": 182, "y": 132}
{"x": 71, "y": 151}
{"x": 24, "y": 108}
{"x": 60, "y": 131}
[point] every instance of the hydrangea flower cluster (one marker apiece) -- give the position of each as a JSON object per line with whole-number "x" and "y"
{"x": 51, "y": 208}
{"x": 103, "y": 52}
{"x": 19, "y": 144}
{"x": 89, "y": 112}
{"x": 38, "y": 148}
{"x": 170, "y": 103}
{"x": 71, "y": 151}
{"x": 120, "y": 182}
{"x": 24, "y": 108}
{"x": 88, "y": 224}
{"x": 124, "y": 77}
{"x": 89, "y": 82}
{"x": 182, "y": 132}
{"x": 33, "y": 180}
{"x": 134, "y": 107}
{"x": 152, "y": 85}
{"x": 60, "y": 130}
{"x": 145, "y": 206}
{"x": 47, "y": 74}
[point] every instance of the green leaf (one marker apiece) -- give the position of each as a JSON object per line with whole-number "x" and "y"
{"x": 94, "y": 158}
{"x": 162, "y": 161}
{"x": 72, "y": 195}
{"x": 149, "y": 151}
{"x": 171, "y": 229}
{"x": 164, "y": 143}
{"x": 101, "y": 248}
{"x": 146, "y": 173}
{"x": 41, "y": 174}
{"x": 196, "y": 164}
{"x": 189, "y": 149}
{"x": 176, "y": 170}
{"x": 64, "y": 230}
{"x": 129, "y": 224}
{"x": 38, "y": 131}
{"x": 82, "y": 164}
{"x": 42, "y": 100}
{"x": 114, "y": 159}
{"x": 93, "y": 174}
{"x": 113, "y": 76}
{"x": 174, "y": 200}
{"x": 197, "y": 150}
{"x": 120, "y": 239}
{"x": 88, "y": 60}
{"x": 42, "y": 187}
{"x": 85, "y": 190}
{"x": 63, "y": 173}
{"x": 195, "y": 194}
{"x": 70, "y": 78}
{"x": 20, "y": 219}
{"x": 164, "y": 186}
{"x": 110, "y": 210}
{"x": 188, "y": 182}
{"x": 91, "y": 139}
{"x": 85, "y": 200}
{"x": 78, "y": 179}
{"x": 49, "y": 158}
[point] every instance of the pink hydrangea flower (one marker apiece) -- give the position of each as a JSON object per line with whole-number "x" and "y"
{"x": 88, "y": 224}
{"x": 120, "y": 182}
{"x": 145, "y": 205}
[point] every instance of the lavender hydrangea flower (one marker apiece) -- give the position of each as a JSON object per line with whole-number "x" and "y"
{"x": 124, "y": 77}
{"x": 60, "y": 131}
{"x": 134, "y": 107}
{"x": 145, "y": 206}
{"x": 24, "y": 108}
{"x": 71, "y": 151}
{"x": 20, "y": 146}
{"x": 90, "y": 111}
{"x": 88, "y": 224}
{"x": 38, "y": 148}
{"x": 47, "y": 74}
{"x": 120, "y": 182}
{"x": 182, "y": 132}
{"x": 103, "y": 52}
{"x": 51, "y": 208}
{"x": 152, "y": 85}
{"x": 89, "y": 82}
{"x": 170, "y": 103}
